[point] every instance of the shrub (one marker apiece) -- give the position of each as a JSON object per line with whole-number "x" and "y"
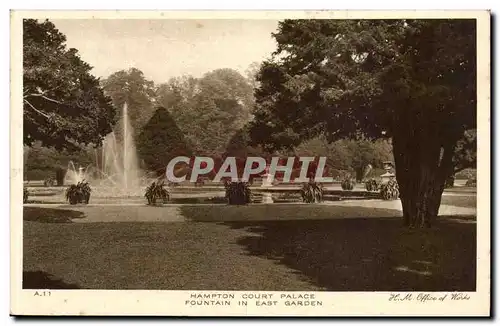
{"x": 312, "y": 192}
{"x": 155, "y": 191}
{"x": 26, "y": 193}
{"x": 79, "y": 193}
{"x": 60, "y": 174}
{"x": 348, "y": 183}
{"x": 471, "y": 182}
{"x": 238, "y": 193}
{"x": 49, "y": 182}
{"x": 372, "y": 185}
{"x": 390, "y": 190}
{"x": 449, "y": 182}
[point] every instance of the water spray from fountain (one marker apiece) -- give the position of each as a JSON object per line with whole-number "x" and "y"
{"x": 117, "y": 173}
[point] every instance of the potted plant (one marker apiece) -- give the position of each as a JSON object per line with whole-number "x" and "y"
{"x": 390, "y": 190}
{"x": 155, "y": 191}
{"x": 238, "y": 193}
{"x": 49, "y": 182}
{"x": 372, "y": 185}
{"x": 348, "y": 183}
{"x": 79, "y": 193}
{"x": 312, "y": 192}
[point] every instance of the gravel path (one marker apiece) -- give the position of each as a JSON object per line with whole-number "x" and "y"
{"x": 291, "y": 211}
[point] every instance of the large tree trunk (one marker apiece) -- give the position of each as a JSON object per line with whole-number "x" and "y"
{"x": 423, "y": 162}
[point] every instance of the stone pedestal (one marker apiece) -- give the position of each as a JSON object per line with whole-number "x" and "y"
{"x": 267, "y": 180}
{"x": 386, "y": 177}
{"x": 267, "y": 198}
{"x": 389, "y": 172}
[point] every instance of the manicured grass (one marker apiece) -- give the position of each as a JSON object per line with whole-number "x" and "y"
{"x": 307, "y": 253}
{"x": 461, "y": 201}
{"x": 470, "y": 190}
{"x": 281, "y": 212}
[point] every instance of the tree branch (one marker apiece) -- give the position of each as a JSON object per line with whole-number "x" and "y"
{"x": 45, "y": 97}
{"x": 36, "y": 110}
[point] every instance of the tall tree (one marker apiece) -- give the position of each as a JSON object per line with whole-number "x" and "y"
{"x": 131, "y": 87}
{"x": 411, "y": 80}
{"x": 63, "y": 104}
{"x": 177, "y": 93}
{"x": 160, "y": 141}
{"x": 251, "y": 73}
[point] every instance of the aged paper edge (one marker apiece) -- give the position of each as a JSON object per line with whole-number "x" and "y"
{"x": 164, "y": 303}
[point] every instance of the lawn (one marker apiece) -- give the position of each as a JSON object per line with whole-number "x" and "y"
{"x": 461, "y": 201}
{"x": 206, "y": 252}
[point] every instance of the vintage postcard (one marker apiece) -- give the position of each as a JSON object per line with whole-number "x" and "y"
{"x": 250, "y": 163}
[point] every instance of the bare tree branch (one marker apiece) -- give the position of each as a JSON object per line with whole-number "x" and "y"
{"x": 36, "y": 110}
{"x": 44, "y": 97}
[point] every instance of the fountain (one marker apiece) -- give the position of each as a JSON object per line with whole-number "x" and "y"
{"x": 116, "y": 170}
{"x": 74, "y": 175}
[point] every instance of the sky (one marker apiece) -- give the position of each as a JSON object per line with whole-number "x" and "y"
{"x": 167, "y": 48}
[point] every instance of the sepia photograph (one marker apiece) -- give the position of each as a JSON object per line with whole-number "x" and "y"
{"x": 259, "y": 163}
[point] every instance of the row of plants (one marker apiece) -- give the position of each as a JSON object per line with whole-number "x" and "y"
{"x": 236, "y": 193}
{"x": 75, "y": 194}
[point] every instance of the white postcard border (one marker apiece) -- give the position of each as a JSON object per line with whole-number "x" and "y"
{"x": 124, "y": 302}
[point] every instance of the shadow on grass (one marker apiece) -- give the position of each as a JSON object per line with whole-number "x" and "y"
{"x": 50, "y": 215}
{"x": 337, "y": 250}
{"x": 43, "y": 280}
{"x": 361, "y": 254}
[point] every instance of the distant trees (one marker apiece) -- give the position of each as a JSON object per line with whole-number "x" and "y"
{"x": 131, "y": 87}
{"x": 465, "y": 155}
{"x": 348, "y": 154}
{"x": 42, "y": 162}
{"x": 209, "y": 110}
{"x": 63, "y": 103}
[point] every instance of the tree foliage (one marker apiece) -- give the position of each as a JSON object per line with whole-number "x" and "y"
{"x": 160, "y": 141}
{"x": 348, "y": 154}
{"x": 411, "y": 80}
{"x": 466, "y": 151}
{"x": 63, "y": 104}
{"x": 209, "y": 110}
{"x": 131, "y": 87}
{"x": 41, "y": 162}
